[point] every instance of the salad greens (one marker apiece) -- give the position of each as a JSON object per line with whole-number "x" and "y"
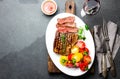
{"x": 86, "y": 27}
{"x": 81, "y": 32}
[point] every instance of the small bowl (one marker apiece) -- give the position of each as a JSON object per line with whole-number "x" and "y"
{"x": 49, "y": 7}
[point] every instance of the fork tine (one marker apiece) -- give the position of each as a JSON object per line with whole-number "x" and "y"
{"x": 103, "y": 32}
{"x": 105, "y": 28}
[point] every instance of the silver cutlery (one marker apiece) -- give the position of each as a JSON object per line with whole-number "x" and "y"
{"x": 103, "y": 61}
{"x": 109, "y": 54}
{"x": 104, "y": 65}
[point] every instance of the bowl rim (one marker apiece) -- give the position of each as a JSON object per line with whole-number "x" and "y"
{"x": 48, "y": 1}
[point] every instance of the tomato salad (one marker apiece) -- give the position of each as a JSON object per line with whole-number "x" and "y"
{"x": 79, "y": 56}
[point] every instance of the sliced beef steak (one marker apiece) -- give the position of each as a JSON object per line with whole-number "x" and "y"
{"x": 66, "y": 25}
{"x": 66, "y": 35}
{"x": 69, "y": 19}
{"x": 67, "y": 29}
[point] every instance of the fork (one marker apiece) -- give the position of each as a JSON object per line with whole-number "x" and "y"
{"x": 103, "y": 61}
{"x": 109, "y": 54}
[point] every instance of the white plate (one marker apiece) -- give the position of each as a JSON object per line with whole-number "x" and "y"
{"x": 50, "y": 35}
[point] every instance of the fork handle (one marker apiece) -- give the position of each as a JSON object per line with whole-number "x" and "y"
{"x": 111, "y": 61}
{"x": 104, "y": 65}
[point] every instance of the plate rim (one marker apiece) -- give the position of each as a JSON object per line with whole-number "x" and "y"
{"x": 53, "y": 52}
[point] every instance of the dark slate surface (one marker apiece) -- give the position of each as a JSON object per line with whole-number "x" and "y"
{"x": 23, "y": 53}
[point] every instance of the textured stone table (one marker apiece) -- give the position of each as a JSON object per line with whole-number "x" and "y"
{"x": 23, "y": 53}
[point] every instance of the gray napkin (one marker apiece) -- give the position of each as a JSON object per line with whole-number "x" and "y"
{"x": 114, "y": 42}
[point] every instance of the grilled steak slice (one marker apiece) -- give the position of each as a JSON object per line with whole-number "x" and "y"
{"x": 63, "y": 42}
{"x": 66, "y": 25}
{"x": 69, "y": 19}
{"x": 66, "y": 35}
{"x": 67, "y": 29}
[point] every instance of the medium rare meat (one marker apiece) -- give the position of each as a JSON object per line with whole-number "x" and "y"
{"x": 66, "y": 25}
{"x": 66, "y": 35}
{"x": 63, "y": 42}
{"x": 69, "y": 19}
{"x": 67, "y": 29}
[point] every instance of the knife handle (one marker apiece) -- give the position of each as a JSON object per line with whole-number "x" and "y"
{"x": 111, "y": 61}
{"x": 104, "y": 66}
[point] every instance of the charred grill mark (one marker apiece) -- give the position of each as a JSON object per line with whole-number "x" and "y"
{"x": 64, "y": 42}
{"x": 66, "y": 35}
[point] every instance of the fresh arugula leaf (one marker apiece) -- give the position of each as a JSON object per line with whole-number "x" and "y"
{"x": 80, "y": 31}
{"x": 86, "y": 27}
{"x": 81, "y": 37}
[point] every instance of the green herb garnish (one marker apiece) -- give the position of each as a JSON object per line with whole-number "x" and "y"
{"x": 86, "y": 68}
{"x": 80, "y": 31}
{"x": 85, "y": 53}
{"x": 63, "y": 38}
{"x": 86, "y": 27}
{"x": 64, "y": 47}
{"x": 63, "y": 60}
{"x": 81, "y": 34}
{"x": 83, "y": 37}
{"x": 73, "y": 61}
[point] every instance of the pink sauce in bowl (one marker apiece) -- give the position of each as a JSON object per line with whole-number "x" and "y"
{"x": 49, "y": 7}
